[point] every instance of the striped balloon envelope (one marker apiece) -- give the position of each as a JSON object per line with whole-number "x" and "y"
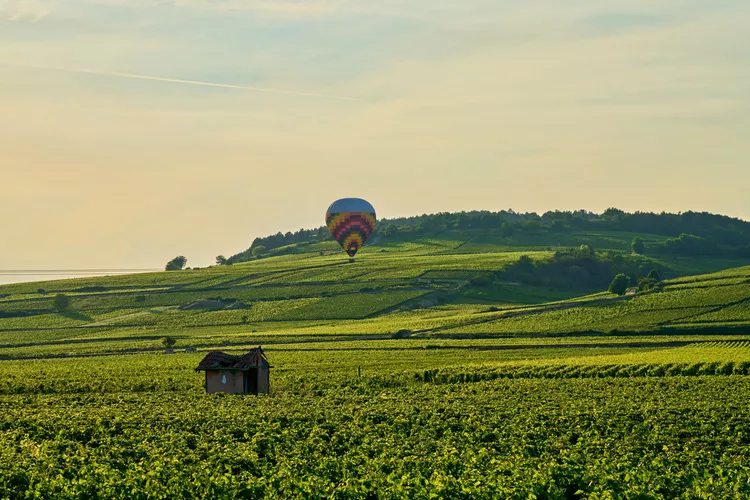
{"x": 351, "y": 221}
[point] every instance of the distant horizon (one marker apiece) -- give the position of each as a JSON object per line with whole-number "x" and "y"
{"x": 10, "y": 275}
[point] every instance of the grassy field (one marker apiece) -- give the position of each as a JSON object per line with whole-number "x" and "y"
{"x": 467, "y": 390}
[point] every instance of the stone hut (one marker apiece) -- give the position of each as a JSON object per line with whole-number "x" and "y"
{"x": 245, "y": 374}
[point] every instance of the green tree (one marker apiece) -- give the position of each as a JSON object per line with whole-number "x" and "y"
{"x": 259, "y": 251}
{"x": 391, "y": 230}
{"x": 176, "y": 264}
{"x": 221, "y": 260}
{"x": 620, "y": 284}
{"x": 654, "y": 275}
{"x": 638, "y": 245}
{"x": 61, "y": 302}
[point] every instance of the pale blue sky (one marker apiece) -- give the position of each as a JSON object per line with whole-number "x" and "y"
{"x": 478, "y": 104}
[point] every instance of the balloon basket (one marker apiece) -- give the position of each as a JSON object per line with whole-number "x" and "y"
{"x": 351, "y": 260}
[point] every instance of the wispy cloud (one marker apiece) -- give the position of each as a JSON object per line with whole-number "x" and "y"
{"x": 280, "y": 7}
{"x": 186, "y": 82}
{"x": 24, "y": 10}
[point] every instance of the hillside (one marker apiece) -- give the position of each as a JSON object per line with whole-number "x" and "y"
{"x": 419, "y": 286}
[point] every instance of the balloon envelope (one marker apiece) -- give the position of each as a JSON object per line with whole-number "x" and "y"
{"x": 351, "y": 222}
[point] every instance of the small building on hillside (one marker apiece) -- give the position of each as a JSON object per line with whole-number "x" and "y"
{"x": 245, "y": 374}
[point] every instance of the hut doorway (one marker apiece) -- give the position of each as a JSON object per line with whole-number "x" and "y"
{"x": 251, "y": 381}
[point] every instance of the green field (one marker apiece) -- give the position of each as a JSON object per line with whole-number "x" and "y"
{"x": 469, "y": 388}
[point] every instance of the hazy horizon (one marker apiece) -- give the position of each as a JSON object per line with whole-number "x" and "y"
{"x": 9, "y": 275}
{"x": 136, "y": 131}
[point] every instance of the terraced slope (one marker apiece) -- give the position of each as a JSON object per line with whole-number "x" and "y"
{"x": 415, "y": 289}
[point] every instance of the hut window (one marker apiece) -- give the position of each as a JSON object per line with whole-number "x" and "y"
{"x": 224, "y": 379}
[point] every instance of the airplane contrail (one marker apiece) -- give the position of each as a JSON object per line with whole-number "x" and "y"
{"x": 184, "y": 82}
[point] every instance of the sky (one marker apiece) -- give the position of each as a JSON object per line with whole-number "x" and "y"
{"x": 133, "y": 131}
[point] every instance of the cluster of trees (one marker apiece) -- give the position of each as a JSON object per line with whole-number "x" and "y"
{"x": 699, "y": 233}
{"x": 621, "y": 283}
{"x": 176, "y": 264}
{"x": 721, "y": 229}
{"x": 261, "y": 246}
{"x": 689, "y": 244}
{"x": 580, "y": 268}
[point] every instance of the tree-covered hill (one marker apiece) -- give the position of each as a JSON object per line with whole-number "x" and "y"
{"x": 683, "y": 234}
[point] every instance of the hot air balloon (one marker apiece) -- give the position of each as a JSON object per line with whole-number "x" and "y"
{"x": 351, "y": 222}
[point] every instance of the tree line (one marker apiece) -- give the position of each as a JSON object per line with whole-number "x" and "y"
{"x": 690, "y": 233}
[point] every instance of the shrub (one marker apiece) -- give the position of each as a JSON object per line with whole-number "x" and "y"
{"x": 620, "y": 284}
{"x": 168, "y": 342}
{"x": 484, "y": 279}
{"x": 645, "y": 284}
{"x": 61, "y": 302}
{"x": 402, "y": 334}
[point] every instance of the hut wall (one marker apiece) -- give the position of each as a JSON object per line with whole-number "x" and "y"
{"x": 228, "y": 381}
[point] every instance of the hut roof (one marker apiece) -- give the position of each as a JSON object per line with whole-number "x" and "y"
{"x": 217, "y": 360}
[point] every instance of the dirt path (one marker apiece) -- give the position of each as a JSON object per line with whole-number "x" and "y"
{"x": 278, "y": 346}
{"x": 117, "y": 319}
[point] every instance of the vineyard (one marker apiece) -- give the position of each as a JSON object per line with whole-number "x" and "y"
{"x": 430, "y": 368}
{"x": 124, "y": 428}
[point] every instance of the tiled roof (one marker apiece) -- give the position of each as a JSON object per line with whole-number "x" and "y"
{"x": 217, "y": 360}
